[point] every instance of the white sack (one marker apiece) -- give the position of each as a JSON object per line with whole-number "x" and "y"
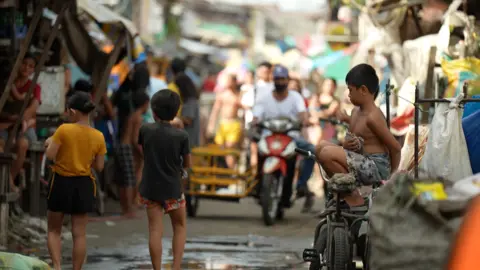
{"x": 446, "y": 154}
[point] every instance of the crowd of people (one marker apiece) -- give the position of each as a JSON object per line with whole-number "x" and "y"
{"x": 156, "y": 129}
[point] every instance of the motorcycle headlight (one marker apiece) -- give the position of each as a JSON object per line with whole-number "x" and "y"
{"x": 289, "y": 150}
{"x": 263, "y": 147}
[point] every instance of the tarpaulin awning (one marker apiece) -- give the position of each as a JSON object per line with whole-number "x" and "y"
{"x": 102, "y": 14}
{"x": 95, "y": 17}
{"x": 197, "y": 47}
{"x": 110, "y": 22}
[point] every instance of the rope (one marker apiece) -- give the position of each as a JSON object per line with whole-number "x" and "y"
{"x": 404, "y": 99}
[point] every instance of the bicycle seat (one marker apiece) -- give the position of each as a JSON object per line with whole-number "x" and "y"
{"x": 342, "y": 183}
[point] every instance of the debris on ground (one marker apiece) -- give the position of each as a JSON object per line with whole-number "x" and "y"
{"x": 27, "y": 232}
{"x": 18, "y": 261}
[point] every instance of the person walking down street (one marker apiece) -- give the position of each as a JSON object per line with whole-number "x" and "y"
{"x": 166, "y": 152}
{"x": 226, "y": 108}
{"x": 75, "y": 148}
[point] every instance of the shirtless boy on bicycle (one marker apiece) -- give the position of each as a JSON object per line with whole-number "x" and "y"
{"x": 227, "y": 104}
{"x": 370, "y": 151}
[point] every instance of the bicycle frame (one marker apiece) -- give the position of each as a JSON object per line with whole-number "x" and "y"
{"x": 333, "y": 217}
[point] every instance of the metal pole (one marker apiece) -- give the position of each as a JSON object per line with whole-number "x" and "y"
{"x": 439, "y": 100}
{"x": 387, "y": 97}
{"x": 38, "y": 68}
{"x": 26, "y": 43}
{"x": 112, "y": 58}
{"x": 416, "y": 116}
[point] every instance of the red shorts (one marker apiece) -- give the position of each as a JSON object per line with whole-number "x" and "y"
{"x": 167, "y": 205}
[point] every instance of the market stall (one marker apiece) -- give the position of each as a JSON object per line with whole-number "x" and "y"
{"x": 49, "y": 20}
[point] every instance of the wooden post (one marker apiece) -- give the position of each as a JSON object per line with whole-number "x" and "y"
{"x": 112, "y": 58}
{"x": 26, "y": 43}
{"x": 429, "y": 84}
{"x": 38, "y": 68}
{"x": 5, "y": 195}
{"x": 36, "y": 152}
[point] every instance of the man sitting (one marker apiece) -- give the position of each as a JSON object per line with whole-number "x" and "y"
{"x": 370, "y": 152}
{"x": 26, "y": 133}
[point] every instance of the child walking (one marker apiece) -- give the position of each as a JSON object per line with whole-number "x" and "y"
{"x": 166, "y": 154}
{"x": 75, "y": 148}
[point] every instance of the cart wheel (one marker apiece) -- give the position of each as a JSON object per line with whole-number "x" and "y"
{"x": 192, "y": 205}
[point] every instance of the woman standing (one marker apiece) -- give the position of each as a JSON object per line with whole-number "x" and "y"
{"x": 324, "y": 104}
{"x": 74, "y": 148}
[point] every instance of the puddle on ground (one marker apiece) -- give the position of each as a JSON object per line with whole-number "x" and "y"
{"x": 222, "y": 253}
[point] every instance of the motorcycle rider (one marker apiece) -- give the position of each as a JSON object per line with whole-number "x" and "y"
{"x": 290, "y": 104}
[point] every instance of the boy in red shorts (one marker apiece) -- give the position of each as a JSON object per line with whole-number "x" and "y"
{"x": 166, "y": 154}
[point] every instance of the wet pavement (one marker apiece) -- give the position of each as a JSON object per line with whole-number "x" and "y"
{"x": 223, "y": 236}
{"x": 250, "y": 252}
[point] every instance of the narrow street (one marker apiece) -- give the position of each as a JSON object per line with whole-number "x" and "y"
{"x": 223, "y": 236}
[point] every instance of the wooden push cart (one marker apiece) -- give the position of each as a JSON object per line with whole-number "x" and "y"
{"x": 209, "y": 179}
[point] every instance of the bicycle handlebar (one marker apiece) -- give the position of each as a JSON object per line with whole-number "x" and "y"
{"x": 305, "y": 153}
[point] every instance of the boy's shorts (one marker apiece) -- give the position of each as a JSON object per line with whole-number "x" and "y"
{"x": 370, "y": 168}
{"x": 125, "y": 166}
{"x": 167, "y": 205}
{"x": 30, "y": 134}
{"x": 229, "y": 131}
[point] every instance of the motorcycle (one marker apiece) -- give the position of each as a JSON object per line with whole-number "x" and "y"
{"x": 277, "y": 150}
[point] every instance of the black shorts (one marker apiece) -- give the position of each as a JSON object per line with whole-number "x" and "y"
{"x": 71, "y": 194}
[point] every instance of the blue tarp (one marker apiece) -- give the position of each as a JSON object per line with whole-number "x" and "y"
{"x": 471, "y": 107}
{"x": 471, "y": 129}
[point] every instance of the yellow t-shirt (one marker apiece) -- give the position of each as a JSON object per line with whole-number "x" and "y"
{"x": 79, "y": 145}
{"x": 172, "y": 86}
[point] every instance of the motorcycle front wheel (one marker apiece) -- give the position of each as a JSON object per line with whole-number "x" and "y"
{"x": 270, "y": 198}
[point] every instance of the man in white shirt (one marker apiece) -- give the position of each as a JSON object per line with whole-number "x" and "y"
{"x": 283, "y": 103}
{"x": 263, "y": 86}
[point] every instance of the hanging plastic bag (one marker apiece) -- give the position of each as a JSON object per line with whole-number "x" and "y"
{"x": 446, "y": 154}
{"x": 471, "y": 129}
{"x": 460, "y": 71}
